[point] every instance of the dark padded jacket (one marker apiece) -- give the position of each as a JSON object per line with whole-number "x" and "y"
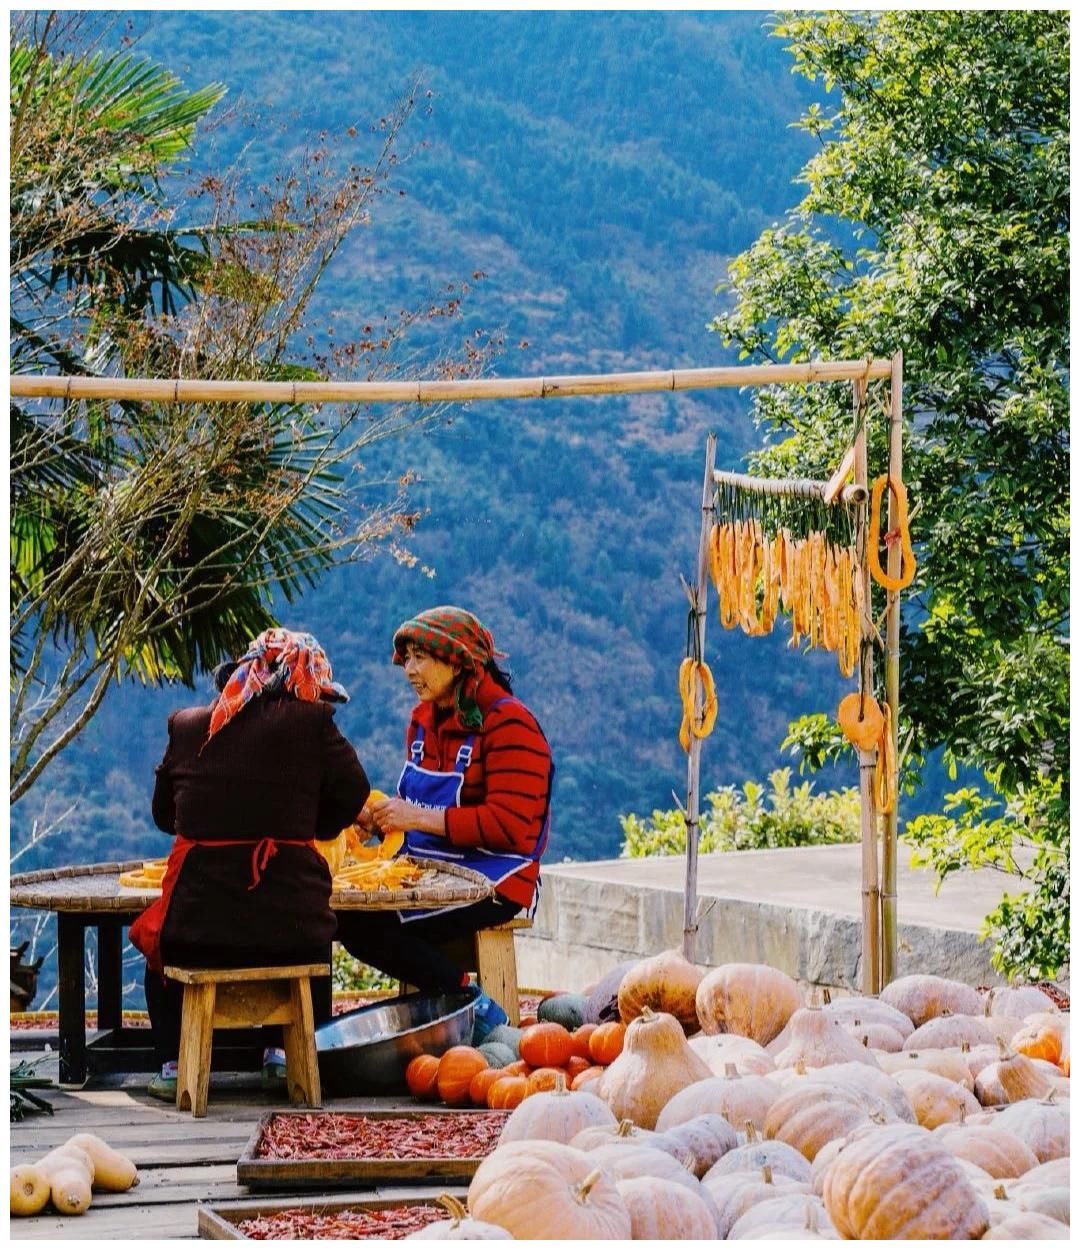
{"x": 279, "y": 770}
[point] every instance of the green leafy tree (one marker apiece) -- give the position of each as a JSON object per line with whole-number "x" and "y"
{"x": 935, "y": 221}
{"x": 149, "y": 540}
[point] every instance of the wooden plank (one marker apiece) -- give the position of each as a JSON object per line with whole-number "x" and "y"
{"x": 201, "y": 976}
{"x": 124, "y": 1224}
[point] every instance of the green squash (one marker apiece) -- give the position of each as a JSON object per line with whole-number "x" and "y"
{"x": 506, "y": 1035}
{"x": 498, "y": 1054}
{"x": 565, "y": 1009}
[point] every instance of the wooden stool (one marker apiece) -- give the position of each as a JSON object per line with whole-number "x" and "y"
{"x": 490, "y": 954}
{"x": 235, "y": 998}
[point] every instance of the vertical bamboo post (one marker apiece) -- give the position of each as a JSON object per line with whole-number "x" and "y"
{"x": 871, "y": 915}
{"x": 693, "y": 764}
{"x": 892, "y": 675}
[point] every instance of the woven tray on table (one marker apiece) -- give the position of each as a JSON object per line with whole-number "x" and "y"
{"x": 96, "y": 888}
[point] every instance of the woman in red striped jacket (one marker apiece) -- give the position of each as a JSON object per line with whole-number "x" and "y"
{"x": 475, "y": 790}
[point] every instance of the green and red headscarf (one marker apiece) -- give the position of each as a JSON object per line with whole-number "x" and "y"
{"x": 456, "y": 637}
{"x": 278, "y": 659}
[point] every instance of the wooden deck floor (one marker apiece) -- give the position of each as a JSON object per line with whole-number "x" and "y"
{"x": 182, "y": 1162}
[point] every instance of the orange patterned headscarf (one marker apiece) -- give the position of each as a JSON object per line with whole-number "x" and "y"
{"x": 278, "y": 659}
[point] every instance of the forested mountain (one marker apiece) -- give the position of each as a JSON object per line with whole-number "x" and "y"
{"x": 598, "y": 169}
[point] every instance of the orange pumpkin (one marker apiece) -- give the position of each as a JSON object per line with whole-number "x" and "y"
{"x": 545, "y": 1046}
{"x": 457, "y": 1067}
{"x": 507, "y": 1092}
{"x": 527, "y": 1021}
{"x": 575, "y": 1065}
{"x": 481, "y": 1083}
{"x": 583, "y": 1078}
{"x": 605, "y": 1045}
{"x": 544, "y": 1079}
{"x": 420, "y": 1077}
{"x": 518, "y": 1068}
{"x": 580, "y": 1039}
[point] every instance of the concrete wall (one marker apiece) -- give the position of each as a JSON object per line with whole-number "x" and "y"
{"x": 585, "y": 925}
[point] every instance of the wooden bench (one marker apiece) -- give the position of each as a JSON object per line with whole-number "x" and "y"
{"x": 490, "y": 954}
{"x": 234, "y": 998}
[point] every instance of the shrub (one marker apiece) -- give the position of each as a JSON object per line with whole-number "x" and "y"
{"x": 751, "y": 817}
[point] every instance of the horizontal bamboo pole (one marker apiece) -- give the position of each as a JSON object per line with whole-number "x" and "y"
{"x": 195, "y": 390}
{"x": 790, "y": 487}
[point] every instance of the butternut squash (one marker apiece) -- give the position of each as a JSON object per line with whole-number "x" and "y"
{"x": 113, "y": 1172}
{"x": 62, "y": 1157}
{"x": 29, "y": 1189}
{"x": 70, "y": 1190}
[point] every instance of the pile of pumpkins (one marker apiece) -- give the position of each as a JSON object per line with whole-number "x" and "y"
{"x": 68, "y": 1175}
{"x": 735, "y": 1110}
{"x": 514, "y": 1063}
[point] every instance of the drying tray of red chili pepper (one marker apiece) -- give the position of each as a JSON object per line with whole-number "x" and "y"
{"x": 344, "y": 1219}
{"x": 328, "y": 1148}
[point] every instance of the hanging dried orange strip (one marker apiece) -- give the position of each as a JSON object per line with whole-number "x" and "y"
{"x": 907, "y": 563}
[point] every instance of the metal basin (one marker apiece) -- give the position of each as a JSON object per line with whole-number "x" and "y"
{"x": 366, "y": 1051}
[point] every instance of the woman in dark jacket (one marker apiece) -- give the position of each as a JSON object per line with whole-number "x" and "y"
{"x": 247, "y": 785}
{"x": 475, "y": 790}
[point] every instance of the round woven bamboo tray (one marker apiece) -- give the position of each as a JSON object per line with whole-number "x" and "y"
{"x": 96, "y": 888}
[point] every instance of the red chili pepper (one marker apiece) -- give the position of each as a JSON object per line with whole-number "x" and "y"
{"x": 299, "y": 1224}
{"x": 337, "y": 1135}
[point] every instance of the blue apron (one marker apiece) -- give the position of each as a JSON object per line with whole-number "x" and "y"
{"x": 441, "y": 790}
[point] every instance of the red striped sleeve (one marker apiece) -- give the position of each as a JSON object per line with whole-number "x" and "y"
{"x": 508, "y": 810}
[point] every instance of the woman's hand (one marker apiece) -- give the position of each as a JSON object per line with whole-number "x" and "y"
{"x": 395, "y": 813}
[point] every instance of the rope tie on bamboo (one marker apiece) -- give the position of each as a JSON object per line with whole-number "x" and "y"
{"x": 176, "y": 391}
{"x": 67, "y": 392}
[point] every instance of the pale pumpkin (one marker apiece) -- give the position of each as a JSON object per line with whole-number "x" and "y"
{"x": 874, "y": 1036}
{"x": 935, "y": 1099}
{"x": 870, "y": 1081}
{"x": 1055, "y": 1172}
{"x": 558, "y": 1115}
{"x": 789, "y": 1212}
{"x": 706, "y": 1138}
{"x": 1043, "y": 1125}
{"x": 948, "y": 1032}
{"x": 998, "y": 1152}
{"x": 737, "y": 1098}
{"x": 722, "y": 1051}
{"x": 1052, "y": 1201}
{"x": 869, "y": 1011}
{"x": 622, "y": 1164}
{"x": 951, "y": 1065}
{"x": 1027, "y": 1226}
{"x": 1020, "y": 1000}
{"x": 753, "y": 1000}
{"x": 923, "y": 996}
{"x": 1019, "y": 1077}
{"x": 780, "y": 1158}
{"x": 890, "y": 1184}
{"x": 734, "y": 1193}
{"x": 819, "y": 1041}
{"x": 459, "y": 1227}
{"x": 655, "y": 1064}
{"x": 667, "y": 982}
{"x": 812, "y": 1115}
{"x": 622, "y": 1132}
{"x": 543, "y": 1190}
{"x": 654, "y": 1217}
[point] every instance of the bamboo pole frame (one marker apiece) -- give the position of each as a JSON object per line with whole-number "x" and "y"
{"x": 194, "y": 390}
{"x": 699, "y": 605}
{"x": 879, "y": 900}
{"x": 791, "y": 487}
{"x": 892, "y": 677}
{"x": 871, "y": 905}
